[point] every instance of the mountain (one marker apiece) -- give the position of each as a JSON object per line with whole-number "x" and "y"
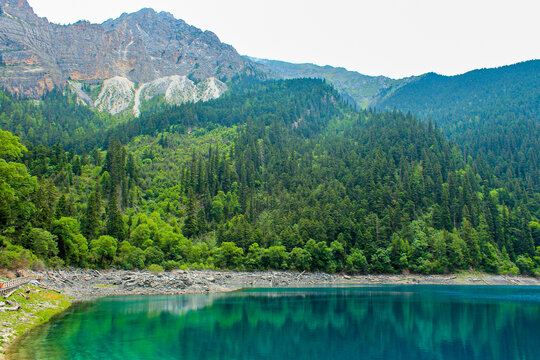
{"x": 37, "y": 56}
{"x": 362, "y": 89}
{"x": 491, "y": 113}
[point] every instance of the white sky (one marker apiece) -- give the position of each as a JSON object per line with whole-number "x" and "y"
{"x": 396, "y": 38}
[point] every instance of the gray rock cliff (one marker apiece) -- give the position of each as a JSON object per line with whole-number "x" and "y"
{"x": 37, "y": 56}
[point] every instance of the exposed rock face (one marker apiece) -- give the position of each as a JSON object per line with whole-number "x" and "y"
{"x": 176, "y": 89}
{"x": 119, "y": 94}
{"x": 27, "y": 61}
{"x": 36, "y": 56}
{"x": 116, "y": 95}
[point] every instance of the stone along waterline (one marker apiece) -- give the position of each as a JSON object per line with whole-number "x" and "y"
{"x": 375, "y": 322}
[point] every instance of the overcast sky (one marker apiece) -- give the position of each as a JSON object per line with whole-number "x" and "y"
{"x": 396, "y": 38}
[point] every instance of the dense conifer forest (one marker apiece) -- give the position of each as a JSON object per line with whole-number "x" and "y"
{"x": 492, "y": 114}
{"x": 272, "y": 175}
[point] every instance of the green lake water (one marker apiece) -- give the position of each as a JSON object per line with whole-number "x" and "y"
{"x": 375, "y": 322}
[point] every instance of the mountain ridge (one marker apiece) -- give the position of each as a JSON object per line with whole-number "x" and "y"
{"x": 365, "y": 90}
{"x": 362, "y": 89}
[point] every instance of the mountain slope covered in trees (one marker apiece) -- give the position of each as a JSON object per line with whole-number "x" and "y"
{"x": 273, "y": 175}
{"x": 493, "y": 114}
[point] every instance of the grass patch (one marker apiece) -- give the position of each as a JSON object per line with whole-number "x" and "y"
{"x": 104, "y": 286}
{"x": 42, "y": 305}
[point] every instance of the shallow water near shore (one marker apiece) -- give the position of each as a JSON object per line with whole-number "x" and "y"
{"x": 365, "y": 322}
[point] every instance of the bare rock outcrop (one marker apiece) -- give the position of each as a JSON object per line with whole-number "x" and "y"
{"x": 119, "y": 94}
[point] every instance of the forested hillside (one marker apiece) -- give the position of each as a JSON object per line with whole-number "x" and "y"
{"x": 54, "y": 119}
{"x": 493, "y": 114}
{"x": 273, "y": 175}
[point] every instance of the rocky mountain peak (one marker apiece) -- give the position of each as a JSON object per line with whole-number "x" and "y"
{"x": 145, "y": 15}
{"x": 36, "y": 56}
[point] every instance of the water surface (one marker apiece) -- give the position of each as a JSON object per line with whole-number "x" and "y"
{"x": 375, "y": 322}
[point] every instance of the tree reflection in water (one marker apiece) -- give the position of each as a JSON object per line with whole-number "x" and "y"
{"x": 388, "y": 322}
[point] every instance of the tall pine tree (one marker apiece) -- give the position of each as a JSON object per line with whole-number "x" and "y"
{"x": 115, "y": 223}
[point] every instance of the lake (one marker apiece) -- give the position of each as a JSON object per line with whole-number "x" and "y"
{"x": 368, "y": 322}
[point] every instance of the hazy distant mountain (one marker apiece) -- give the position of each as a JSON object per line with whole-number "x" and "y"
{"x": 507, "y": 89}
{"x": 363, "y": 89}
{"x": 37, "y": 56}
{"x": 428, "y": 95}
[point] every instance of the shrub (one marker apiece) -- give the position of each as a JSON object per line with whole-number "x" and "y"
{"x": 43, "y": 243}
{"x": 275, "y": 257}
{"x": 55, "y": 262}
{"x": 153, "y": 255}
{"x": 14, "y": 257}
{"x": 357, "y": 262}
{"x": 156, "y": 268}
{"x": 103, "y": 250}
{"x": 525, "y": 264}
{"x": 171, "y": 265}
{"x": 380, "y": 262}
{"x": 300, "y": 259}
{"x": 228, "y": 255}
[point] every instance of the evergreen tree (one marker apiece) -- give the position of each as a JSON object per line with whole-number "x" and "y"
{"x": 191, "y": 226}
{"x": 91, "y": 223}
{"x": 115, "y": 226}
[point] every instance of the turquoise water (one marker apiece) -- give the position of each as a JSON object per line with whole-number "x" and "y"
{"x": 382, "y": 322}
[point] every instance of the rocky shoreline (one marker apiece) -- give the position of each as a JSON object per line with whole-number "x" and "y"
{"x": 86, "y": 283}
